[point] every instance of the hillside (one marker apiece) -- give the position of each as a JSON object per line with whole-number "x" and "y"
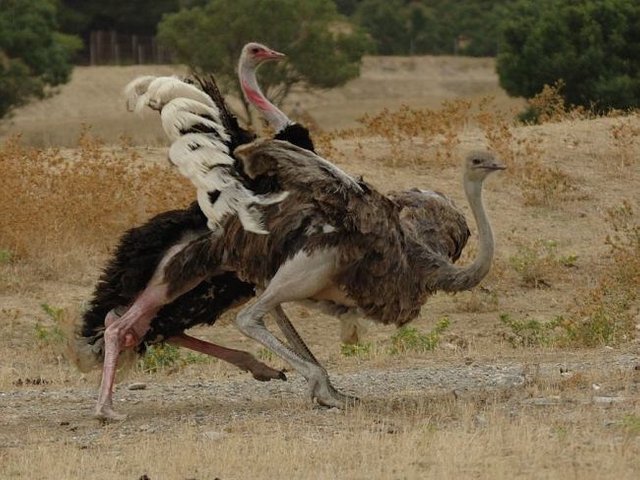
{"x": 93, "y": 98}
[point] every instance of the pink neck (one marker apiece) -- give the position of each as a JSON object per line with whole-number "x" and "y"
{"x": 249, "y": 84}
{"x": 256, "y": 98}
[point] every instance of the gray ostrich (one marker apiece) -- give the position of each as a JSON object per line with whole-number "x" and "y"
{"x": 332, "y": 240}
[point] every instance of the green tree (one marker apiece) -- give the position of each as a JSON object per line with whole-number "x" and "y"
{"x": 401, "y": 27}
{"x": 389, "y": 24}
{"x": 592, "y": 45}
{"x": 323, "y": 49}
{"x": 33, "y": 54}
{"x": 140, "y": 16}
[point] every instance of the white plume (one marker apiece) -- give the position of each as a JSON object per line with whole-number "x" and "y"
{"x": 202, "y": 155}
{"x": 182, "y": 114}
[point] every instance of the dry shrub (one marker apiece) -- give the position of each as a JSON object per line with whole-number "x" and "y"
{"x": 624, "y": 136}
{"x": 538, "y": 262}
{"x": 605, "y": 314}
{"x": 545, "y": 186}
{"x": 324, "y": 144}
{"x": 540, "y": 185}
{"x": 498, "y": 129}
{"x": 56, "y": 204}
{"x": 408, "y": 130}
{"x": 549, "y": 106}
{"x": 478, "y": 300}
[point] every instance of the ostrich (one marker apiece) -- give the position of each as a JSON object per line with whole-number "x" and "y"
{"x": 144, "y": 249}
{"x": 418, "y": 206}
{"x": 332, "y": 239}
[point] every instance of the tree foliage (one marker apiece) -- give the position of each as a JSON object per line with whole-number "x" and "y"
{"x": 401, "y": 27}
{"x": 33, "y": 54}
{"x": 593, "y": 46}
{"x": 140, "y": 16}
{"x": 323, "y": 49}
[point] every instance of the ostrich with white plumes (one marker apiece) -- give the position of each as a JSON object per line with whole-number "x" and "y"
{"x": 143, "y": 250}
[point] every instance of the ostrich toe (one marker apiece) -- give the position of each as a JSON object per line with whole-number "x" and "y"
{"x": 327, "y": 396}
{"x": 106, "y": 412}
{"x": 264, "y": 373}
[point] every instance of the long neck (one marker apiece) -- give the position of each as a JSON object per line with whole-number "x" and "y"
{"x": 252, "y": 92}
{"x": 456, "y": 278}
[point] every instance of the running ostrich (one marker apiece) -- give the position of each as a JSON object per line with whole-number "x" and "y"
{"x": 418, "y": 206}
{"x": 332, "y": 240}
{"x": 142, "y": 250}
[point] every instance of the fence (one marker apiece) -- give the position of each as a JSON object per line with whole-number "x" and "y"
{"x": 114, "y": 48}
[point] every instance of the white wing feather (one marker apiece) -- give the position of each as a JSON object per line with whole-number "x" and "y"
{"x": 182, "y": 114}
{"x": 164, "y": 89}
{"x": 135, "y": 89}
{"x": 203, "y": 158}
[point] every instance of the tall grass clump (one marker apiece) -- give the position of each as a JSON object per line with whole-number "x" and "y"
{"x": 607, "y": 313}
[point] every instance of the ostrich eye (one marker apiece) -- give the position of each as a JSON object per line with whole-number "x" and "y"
{"x": 255, "y": 50}
{"x": 476, "y": 161}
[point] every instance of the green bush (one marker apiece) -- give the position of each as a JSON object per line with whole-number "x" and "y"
{"x": 593, "y": 46}
{"x": 33, "y": 54}
{"x": 410, "y": 339}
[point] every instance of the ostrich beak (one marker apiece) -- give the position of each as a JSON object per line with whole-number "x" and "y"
{"x": 272, "y": 55}
{"x": 495, "y": 166}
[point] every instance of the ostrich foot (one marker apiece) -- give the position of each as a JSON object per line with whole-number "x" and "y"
{"x": 264, "y": 373}
{"x": 326, "y": 395}
{"x": 106, "y": 412}
{"x": 241, "y": 359}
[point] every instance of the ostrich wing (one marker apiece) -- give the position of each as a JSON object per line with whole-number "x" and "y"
{"x": 432, "y": 219}
{"x": 295, "y": 166}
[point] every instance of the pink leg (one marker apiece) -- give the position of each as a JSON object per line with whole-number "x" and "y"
{"x": 241, "y": 359}
{"x": 127, "y": 331}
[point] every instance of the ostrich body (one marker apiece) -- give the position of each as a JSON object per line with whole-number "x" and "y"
{"x": 333, "y": 240}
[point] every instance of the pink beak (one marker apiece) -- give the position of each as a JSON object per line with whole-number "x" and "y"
{"x": 270, "y": 55}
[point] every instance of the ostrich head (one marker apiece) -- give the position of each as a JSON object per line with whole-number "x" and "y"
{"x": 479, "y": 164}
{"x": 254, "y": 54}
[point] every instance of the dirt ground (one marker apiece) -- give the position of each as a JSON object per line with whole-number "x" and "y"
{"x": 475, "y": 407}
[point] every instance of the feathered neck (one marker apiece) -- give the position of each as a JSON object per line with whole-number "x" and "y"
{"x": 452, "y": 278}
{"x": 252, "y": 92}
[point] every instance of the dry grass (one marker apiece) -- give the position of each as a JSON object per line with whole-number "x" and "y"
{"x": 500, "y": 435}
{"x": 61, "y": 211}
{"x": 60, "y": 207}
{"x": 610, "y": 311}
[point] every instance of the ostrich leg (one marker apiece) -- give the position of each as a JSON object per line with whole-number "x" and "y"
{"x": 292, "y": 335}
{"x": 127, "y": 331}
{"x": 299, "y": 278}
{"x": 241, "y": 359}
{"x": 301, "y": 348}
